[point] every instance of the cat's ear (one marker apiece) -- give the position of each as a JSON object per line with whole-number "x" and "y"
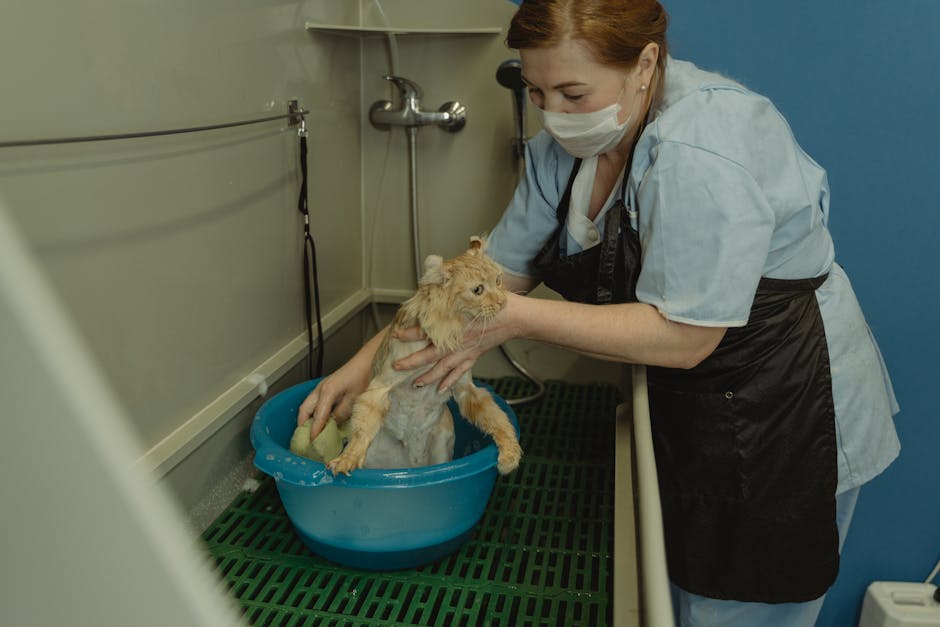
{"x": 477, "y": 244}
{"x": 434, "y": 272}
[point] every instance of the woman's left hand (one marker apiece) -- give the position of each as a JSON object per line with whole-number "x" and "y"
{"x": 450, "y": 366}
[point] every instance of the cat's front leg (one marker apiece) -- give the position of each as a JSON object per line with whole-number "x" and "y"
{"x": 480, "y": 409}
{"x": 368, "y": 413}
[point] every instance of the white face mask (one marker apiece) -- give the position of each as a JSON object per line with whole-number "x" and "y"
{"x": 585, "y": 135}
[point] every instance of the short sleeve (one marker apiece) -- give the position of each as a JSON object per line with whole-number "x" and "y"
{"x": 705, "y": 229}
{"x": 530, "y": 218}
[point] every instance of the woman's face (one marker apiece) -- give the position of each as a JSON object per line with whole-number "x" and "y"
{"x": 567, "y": 79}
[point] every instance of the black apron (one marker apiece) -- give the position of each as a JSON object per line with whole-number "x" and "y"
{"x": 745, "y": 441}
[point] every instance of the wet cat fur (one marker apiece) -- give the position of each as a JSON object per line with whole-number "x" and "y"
{"x": 396, "y": 425}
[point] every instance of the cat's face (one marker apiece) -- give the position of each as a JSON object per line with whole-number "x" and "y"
{"x": 476, "y": 285}
{"x": 470, "y": 284}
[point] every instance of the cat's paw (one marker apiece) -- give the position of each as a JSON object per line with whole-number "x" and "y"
{"x": 345, "y": 463}
{"x": 509, "y": 457}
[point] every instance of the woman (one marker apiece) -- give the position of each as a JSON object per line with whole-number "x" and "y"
{"x": 675, "y": 212}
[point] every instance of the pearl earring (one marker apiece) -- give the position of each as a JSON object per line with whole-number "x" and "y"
{"x": 642, "y": 87}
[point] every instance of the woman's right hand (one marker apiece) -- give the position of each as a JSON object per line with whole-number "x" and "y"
{"x": 333, "y": 396}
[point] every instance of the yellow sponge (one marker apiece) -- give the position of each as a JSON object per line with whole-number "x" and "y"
{"x": 324, "y": 447}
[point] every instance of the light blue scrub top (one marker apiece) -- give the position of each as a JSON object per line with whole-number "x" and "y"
{"x": 725, "y": 196}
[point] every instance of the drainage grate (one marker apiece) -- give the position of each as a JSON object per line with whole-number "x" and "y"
{"x": 541, "y": 555}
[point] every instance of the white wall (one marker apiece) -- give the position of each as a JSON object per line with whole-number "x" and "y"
{"x": 179, "y": 257}
{"x": 464, "y": 179}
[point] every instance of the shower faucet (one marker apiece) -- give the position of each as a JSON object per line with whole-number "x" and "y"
{"x": 451, "y": 116}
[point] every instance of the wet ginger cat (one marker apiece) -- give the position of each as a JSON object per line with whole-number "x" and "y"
{"x": 394, "y": 424}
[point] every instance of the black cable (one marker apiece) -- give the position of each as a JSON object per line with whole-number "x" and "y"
{"x": 310, "y": 267}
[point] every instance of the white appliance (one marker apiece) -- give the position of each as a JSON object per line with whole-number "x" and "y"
{"x": 900, "y": 604}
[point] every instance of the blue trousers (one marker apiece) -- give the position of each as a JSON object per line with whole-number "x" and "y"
{"x": 692, "y": 610}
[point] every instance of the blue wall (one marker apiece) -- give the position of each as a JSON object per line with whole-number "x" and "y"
{"x": 859, "y": 81}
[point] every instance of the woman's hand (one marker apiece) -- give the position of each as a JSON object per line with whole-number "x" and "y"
{"x": 450, "y": 366}
{"x": 335, "y": 394}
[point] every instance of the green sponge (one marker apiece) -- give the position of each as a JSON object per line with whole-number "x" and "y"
{"x": 324, "y": 447}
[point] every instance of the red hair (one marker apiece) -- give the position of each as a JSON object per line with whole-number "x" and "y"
{"x": 615, "y": 31}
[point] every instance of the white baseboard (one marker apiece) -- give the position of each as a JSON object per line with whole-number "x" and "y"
{"x": 391, "y": 297}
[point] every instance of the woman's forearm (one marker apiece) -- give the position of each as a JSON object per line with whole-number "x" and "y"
{"x": 365, "y": 355}
{"x": 630, "y": 332}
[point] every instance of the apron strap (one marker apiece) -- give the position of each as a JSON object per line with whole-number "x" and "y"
{"x": 617, "y": 228}
{"x": 610, "y": 246}
{"x": 561, "y": 211}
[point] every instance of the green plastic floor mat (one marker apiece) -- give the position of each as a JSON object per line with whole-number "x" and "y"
{"x": 542, "y": 554}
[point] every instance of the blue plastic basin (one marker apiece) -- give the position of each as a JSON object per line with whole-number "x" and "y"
{"x": 377, "y": 519}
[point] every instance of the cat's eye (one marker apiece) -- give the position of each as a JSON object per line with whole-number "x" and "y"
{"x": 478, "y": 289}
